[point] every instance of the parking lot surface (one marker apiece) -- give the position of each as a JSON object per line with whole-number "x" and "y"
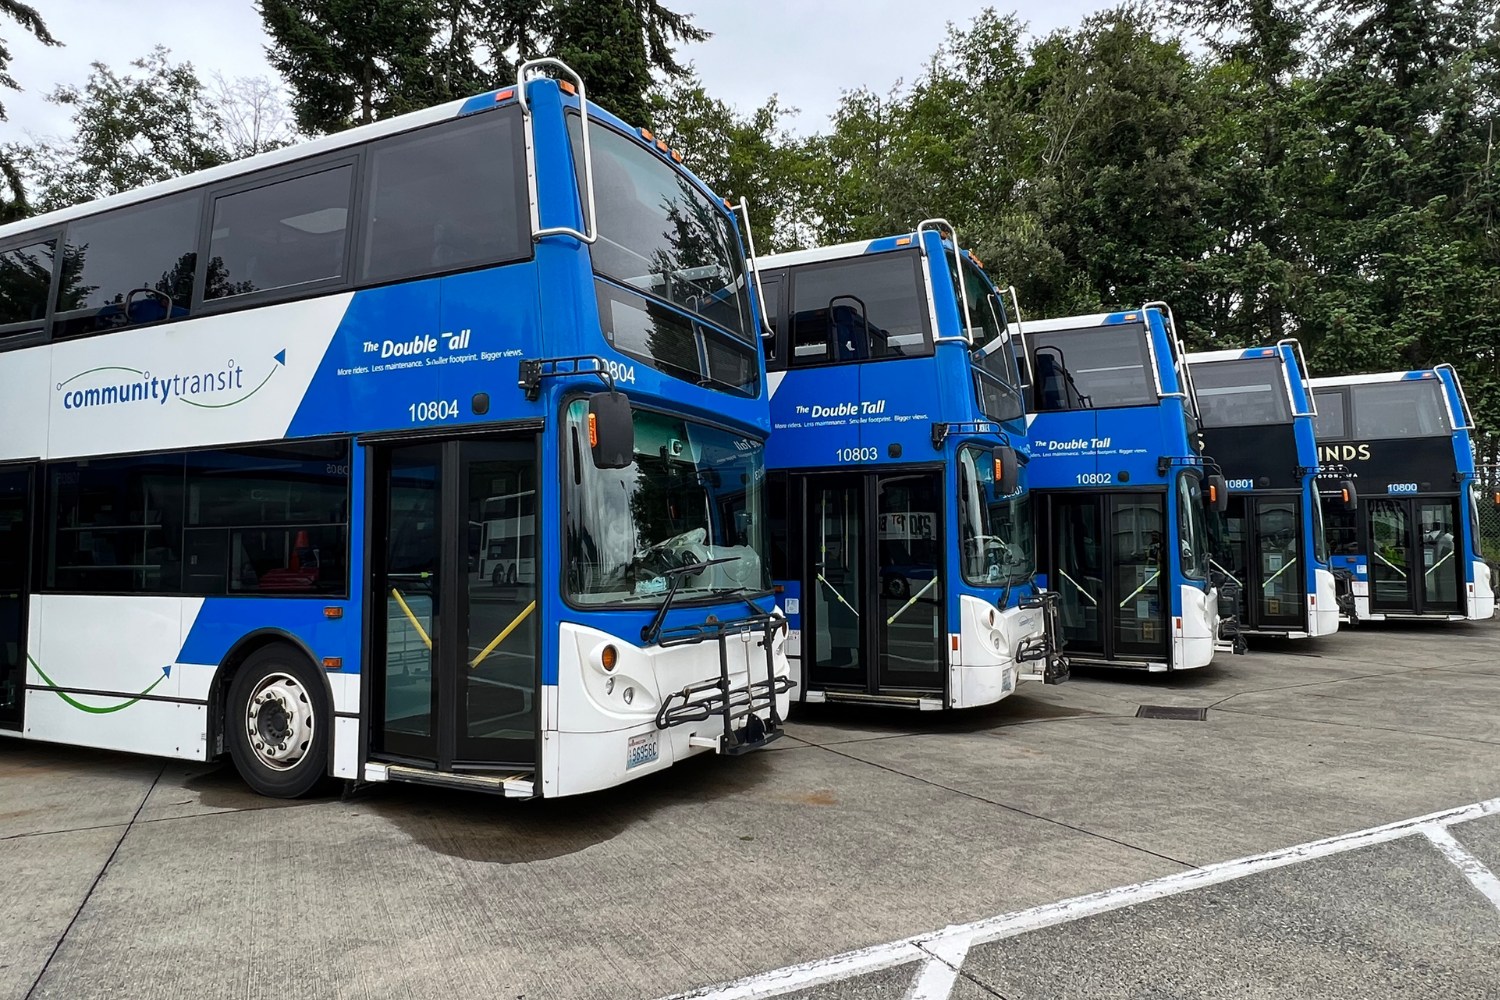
{"x": 861, "y": 833}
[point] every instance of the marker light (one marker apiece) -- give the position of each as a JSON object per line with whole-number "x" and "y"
{"x": 333, "y": 613}
{"x": 904, "y": 241}
{"x": 1213, "y": 493}
{"x": 676, "y": 156}
{"x": 504, "y": 95}
{"x": 593, "y": 431}
{"x": 1345, "y": 494}
{"x": 567, "y": 88}
{"x": 646, "y": 134}
{"x": 333, "y": 663}
{"x": 609, "y": 657}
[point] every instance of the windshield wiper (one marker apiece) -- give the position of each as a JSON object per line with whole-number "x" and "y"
{"x": 652, "y": 630}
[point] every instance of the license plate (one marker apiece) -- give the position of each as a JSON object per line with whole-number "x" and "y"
{"x": 643, "y": 749}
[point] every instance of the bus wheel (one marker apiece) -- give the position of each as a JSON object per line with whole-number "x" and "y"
{"x": 496, "y": 578}
{"x": 510, "y": 576}
{"x": 276, "y": 721}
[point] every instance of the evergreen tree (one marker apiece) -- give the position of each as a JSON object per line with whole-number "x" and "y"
{"x": 13, "y": 202}
{"x": 351, "y": 62}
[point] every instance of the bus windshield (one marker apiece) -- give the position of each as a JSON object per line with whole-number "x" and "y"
{"x": 659, "y": 234}
{"x": 992, "y": 354}
{"x": 1408, "y": 408}
{"x": 996, "y": 541}
{"x": 694, "y": 493}
{"x": 1091, "y": 368}
{"x": 1245, "y": 393}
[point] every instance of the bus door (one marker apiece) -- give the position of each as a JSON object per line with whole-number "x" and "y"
{"x": 1262, "y": 550}
{"x": 15, "y": 587}
{"x": 872, "y": 583}
{"x": 1416, "y": 553}
{"x": 1108, "y": 567}
{"x": 456, "y": 661}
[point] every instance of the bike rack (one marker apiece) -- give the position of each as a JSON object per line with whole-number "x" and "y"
{"x": 701, "y": 701}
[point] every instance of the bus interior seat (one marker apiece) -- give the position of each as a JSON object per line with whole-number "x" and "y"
{"x": 1051, "y": 382}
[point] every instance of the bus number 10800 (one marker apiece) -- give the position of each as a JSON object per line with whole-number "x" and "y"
{"x": 437, "y": 409}
{"x": 1095, "y": 478}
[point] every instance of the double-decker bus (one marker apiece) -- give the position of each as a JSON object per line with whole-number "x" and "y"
{"x": 901, "y": 530}
{"x": 507, "y": 543}
{"x": 253, "y": 415}
{"x": 1256, "y": 415}
{"x": 1122, "y": 489}
{"x": 1401, "y": 454}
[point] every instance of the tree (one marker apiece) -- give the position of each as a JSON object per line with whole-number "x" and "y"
{"x": 137, "y": 128}
{"x": 350, "y": 62}
{"x": 13, "y": 204}
{"x": 128, "y": 131}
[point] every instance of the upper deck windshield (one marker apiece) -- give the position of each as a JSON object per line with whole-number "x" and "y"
{"x": 1090, "y": 368}
{"x": 992, "y": 354}
{"x": 859, "y": 309}
{"x": 1402, "y": 409}
{"x": 694, "y": 493}
{"x": 659, "y": 234}
{"x": 1251, "y": 392}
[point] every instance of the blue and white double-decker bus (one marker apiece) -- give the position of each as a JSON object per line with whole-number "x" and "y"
{"x": 260, "y": 425}
{"x": 1121, "y": 489}
{"x": 1408, "y": 543}
{"x": 901, "y": 529}
{"x": 1256, "y": 415}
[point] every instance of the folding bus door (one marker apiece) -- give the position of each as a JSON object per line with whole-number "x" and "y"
{"x": 457, "y": 672}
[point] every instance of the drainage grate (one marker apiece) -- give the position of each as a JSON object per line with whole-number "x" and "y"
{"x": 1172, "y": 712}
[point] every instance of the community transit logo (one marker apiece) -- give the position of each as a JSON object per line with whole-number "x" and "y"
{"x": 215, "y": 387}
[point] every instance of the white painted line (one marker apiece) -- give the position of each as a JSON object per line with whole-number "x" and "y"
{"x": 936, "y": 978}
{"x": 1474, "y": 870}
{"x": 923, "y": 947}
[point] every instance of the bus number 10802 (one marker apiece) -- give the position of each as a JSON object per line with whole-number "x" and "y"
{"x": 437, "y": 409}
{"x": 1095, "y": 478}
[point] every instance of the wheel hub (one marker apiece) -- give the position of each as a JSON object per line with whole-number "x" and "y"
{"x": 279, "y": 721}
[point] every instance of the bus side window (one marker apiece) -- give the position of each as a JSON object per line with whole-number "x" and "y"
{"x": 25, "y": 282}
{"x": 771, "y": 305}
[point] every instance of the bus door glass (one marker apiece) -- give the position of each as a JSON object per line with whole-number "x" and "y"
{"x": 1078, "y": 570}
{"x": 1138, "y": 533}
{"x": 1278, "y": 580}
{"x": 458, "y": 652}
{"x": 1391, "y": 585}
{"x": 1442, "y": 555}
{"x": 1231, "y": 547}
{"x": 15, "y": 581}
{"x": 874, "y": 572}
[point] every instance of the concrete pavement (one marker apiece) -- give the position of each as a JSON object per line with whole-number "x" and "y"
{"x": 130, "y": 877}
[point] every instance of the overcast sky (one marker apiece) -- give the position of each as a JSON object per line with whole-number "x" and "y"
{"x": 805, "y": 50}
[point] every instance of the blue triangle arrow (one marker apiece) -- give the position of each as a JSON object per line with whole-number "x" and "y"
{"x": 281, "y": 356}
{"x": 167, "y": 670}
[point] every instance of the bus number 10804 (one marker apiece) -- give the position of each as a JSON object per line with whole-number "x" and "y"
{"x": 438, "y": 409}
{"x": 1095, "y": 478}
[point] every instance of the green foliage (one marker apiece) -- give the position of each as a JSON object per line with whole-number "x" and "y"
{"x": 13, "y": 199}
{"x": 129, "y": 130}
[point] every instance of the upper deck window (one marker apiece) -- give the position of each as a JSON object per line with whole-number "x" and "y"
{"x": 133, "y": 265}
{"x": 1090, "y": 368}
{"x": 660, "y": 235}
{"x": 859, "y": 309}
{"x": 1330, "y": 424}
{"x": 446, "y": 198}
{"x": 1409, "y": 408}
{"x": 291, "y": 232}
{"x": 1245, "y": 393}
{"x": 25, "y": 282}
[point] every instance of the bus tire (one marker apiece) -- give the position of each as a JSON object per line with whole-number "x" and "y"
{"x": 277, "y": 723}
{"x": 495, "y": 577}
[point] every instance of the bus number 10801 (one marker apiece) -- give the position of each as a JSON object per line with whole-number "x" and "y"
{"x": 437, "y": 409}
{"x": 1095, "y": 478}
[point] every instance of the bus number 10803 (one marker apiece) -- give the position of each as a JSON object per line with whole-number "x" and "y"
{"x": 437, "y": 409}
{"x": 1095, "y": 478}
{"x": 857, "y": 454}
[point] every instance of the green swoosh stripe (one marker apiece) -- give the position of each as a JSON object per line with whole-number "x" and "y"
{"x": 91, "y": 709}
{"x": 106, "y": 368}
{"x": 232, "y": 402}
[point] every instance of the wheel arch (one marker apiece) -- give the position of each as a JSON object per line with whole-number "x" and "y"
{"x": 246, "y": 646}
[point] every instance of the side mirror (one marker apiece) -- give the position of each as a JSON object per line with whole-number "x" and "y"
{"x": 1007, "y": 471}
{"x": 1216, "y": 492}
{"x": 1348, "y": 495}
{"x": 611, "y": 430}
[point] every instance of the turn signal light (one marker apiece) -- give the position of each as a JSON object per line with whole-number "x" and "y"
{"x": 333, "y": 663}
{"x": 609, "y": 657}
{"x": 1345, "y": 494}
{"x": 333, "y": 613}
{"x": 593, "y": 431}
{"x": 1213, "y": 493}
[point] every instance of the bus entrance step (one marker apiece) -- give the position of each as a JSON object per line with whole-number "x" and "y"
{"x": 520, "y": 785}
{"x": 921, "y": 702}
